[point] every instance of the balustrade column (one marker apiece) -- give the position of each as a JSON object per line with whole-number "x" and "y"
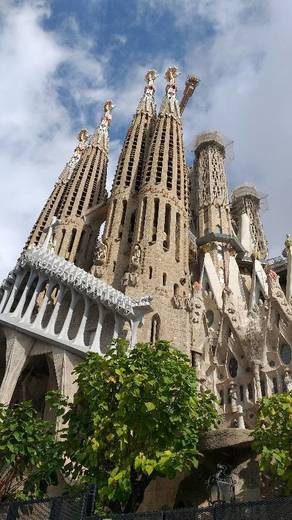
{"x": 119, "y": 322}
{"x": 32, "y": 302}
{"x": 79, "y": 340}
{"x": 20, "y": 304}
{"x": 95, "y": 347}
{"x": 7, "y": 304}
{"x": 65, "y": 327}
{"x": 258, "y": 389}
{"x": 38, "y": 321}
{"x": 51, "y": 324}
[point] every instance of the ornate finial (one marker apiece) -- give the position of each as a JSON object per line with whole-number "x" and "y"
{"x": 107, "y": 117}
{"x": 171, "y": 75}
{"x": 170, "y": 102}
{"x": 150, "y": 77}
{"x": 83, "y": 135}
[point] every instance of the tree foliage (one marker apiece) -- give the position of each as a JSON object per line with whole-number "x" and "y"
{"x": 273, "y": 437}
{"x": 137, "y": 414}
{"x": 30, "y": 455}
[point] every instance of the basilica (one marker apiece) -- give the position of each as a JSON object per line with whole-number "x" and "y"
{"x": 169, "y": 254}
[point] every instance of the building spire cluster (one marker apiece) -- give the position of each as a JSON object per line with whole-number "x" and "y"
{"x": 168, "y": 254}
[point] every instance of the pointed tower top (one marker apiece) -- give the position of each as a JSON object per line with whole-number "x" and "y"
{"x": 100, "y": 136}
{"x": 169, "y": 102}
{"x": 146, "y": 103}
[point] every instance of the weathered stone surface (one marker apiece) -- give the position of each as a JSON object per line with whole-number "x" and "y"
{"x": 225, "y": 438}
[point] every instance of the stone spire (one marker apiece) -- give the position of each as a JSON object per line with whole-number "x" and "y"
{"x": 147, "y": 102}
{"x": 246, "y": 204}
{"x": 158, "y": 256}
{"x": 112, "y": 252}
{"x": 170, "y": 104}
{"x": 75, "y": 197}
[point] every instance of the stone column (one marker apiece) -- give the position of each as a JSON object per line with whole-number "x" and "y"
{"x": 244, "y": 232}
{"x": 7, "y": 303}
{"x": 119, "y": 322}
{"x": 27, "y": 314}
{"x": 63, "y": 334}
{"x": 18, "y": 347}
{"x": 50, "y": 326}
{"x": 95, "y": 347}
{"x": 79, "y": 340}
{"x": 38, "y": 321}
{"x": 258, "y": 390}
{"x": 288, "y": 244}
{"x": 19, "y": 306}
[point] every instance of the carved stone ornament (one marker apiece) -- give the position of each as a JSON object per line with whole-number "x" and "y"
{"x": 288, "y": 380}
{"x": 130, "y": 279}
{"x": 59, "y": 269}
{"x": 136, "y": 257}
{"x": 100, "y": 253}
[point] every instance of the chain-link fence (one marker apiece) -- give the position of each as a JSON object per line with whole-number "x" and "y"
{"x": 81, "y": 508}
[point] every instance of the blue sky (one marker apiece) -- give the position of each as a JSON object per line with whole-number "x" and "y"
{"x": 60, "y": 60}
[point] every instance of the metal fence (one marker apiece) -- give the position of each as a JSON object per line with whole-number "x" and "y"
{"x": 81, "y": 508}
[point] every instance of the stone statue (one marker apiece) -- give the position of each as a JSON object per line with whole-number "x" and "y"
{"x": 101, "y": 253}
{"x": 136, "y": 256}
{"x": 288, "y": 380}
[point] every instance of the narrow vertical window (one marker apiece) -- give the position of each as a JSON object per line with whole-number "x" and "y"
{"x": 164, "y": 278}
{"x": 150, "y": 272}
{"x": 112, "y": 218}
{"x": 72, "y": 239}
{"x": 167, "y": 219}
{"x": 155, "y": 220}
{"x": 249, "y": 391}
{"x": 124, "y": 210}
{"x": 275, "y": 386}
{"x": 61, "y": 241}
{"x": 132, "y": 226}
{"x": 143, "y": 216}
{"x": 241, "y": 393}
{"x": 177, "y": 237}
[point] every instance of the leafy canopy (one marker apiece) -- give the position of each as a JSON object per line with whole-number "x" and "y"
{"x": 273, "y": 437}
{"x": 30, "y": 456}
{"x": 136, "y": 414}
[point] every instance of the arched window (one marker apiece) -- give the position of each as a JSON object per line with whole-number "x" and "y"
{"x": 285, "y": 353}
{"x": 164, "y": 278}
{"x": 233, "y": 367}
{"x": 155, "y": 328}
{"x": 175, "y": 290}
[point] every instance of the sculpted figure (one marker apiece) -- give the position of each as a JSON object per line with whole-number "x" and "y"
{"x": 136, "y": 257}
{"x": 101, "y": 253}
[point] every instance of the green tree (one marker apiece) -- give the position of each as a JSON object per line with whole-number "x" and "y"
{"x": 30, "y": 455}
{"x": 273, "y": 437}
{"x": 137, "y": 414}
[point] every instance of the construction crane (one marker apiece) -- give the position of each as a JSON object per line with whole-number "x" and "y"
{"x": 191, "y": 83}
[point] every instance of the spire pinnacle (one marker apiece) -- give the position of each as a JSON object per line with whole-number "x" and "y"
{"x": 100, "y": 136}
{"x": 146, "y": 103}
{"x": 169, "y": 102}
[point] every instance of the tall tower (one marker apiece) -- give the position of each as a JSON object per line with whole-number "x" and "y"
{"x": 112, "y": 252}
{"x": 245, "y": 210}
{"x": 212, "y": 204}
{"x": 72, "y": 211}
{"x": 159, "y": 255}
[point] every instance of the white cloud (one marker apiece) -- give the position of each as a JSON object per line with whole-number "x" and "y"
{"x": 37, "y": 132}
{"x": 245, "y": 91}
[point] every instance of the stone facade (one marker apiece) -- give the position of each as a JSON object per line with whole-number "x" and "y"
{"x": 172, "y": 232}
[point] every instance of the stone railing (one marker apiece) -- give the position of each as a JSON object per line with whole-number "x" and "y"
{"x": 50, "y": 298}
